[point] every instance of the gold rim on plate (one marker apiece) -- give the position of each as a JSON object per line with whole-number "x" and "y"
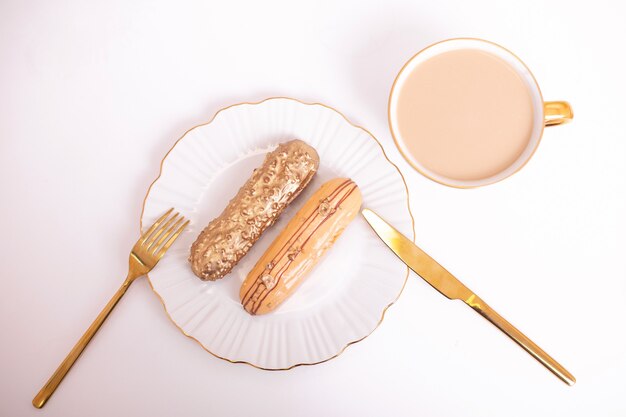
{"x": 388, "y": 160}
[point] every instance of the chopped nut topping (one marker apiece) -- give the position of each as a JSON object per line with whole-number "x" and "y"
{"x": 269, "y": 281}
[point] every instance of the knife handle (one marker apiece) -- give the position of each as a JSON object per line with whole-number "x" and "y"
{"x": 528, "y": 345}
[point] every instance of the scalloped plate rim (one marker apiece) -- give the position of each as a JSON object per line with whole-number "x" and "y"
{"x": 384, "y": 154}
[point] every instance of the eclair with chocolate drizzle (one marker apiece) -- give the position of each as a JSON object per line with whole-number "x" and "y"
{"x": 283, "y": 175}
{"x": 299, "y": 246}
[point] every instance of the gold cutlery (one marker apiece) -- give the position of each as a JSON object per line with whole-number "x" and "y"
{"x": 146, "y": 253}
{"x": 448, "y": 285}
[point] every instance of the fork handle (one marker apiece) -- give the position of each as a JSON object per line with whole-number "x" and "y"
{"x": 47, "y": 390}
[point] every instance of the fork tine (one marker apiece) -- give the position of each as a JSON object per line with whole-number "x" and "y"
{"x": 171, "y": 240}
{"x": 166, "y": 235}
{"x": 150, "y": 241}
{"x": 155, "y": 225}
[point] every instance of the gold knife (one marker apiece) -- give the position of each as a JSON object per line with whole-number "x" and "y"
{"x": 448, "y": 285}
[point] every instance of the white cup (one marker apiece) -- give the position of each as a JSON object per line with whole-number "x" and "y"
{"x": 544, "y": 113}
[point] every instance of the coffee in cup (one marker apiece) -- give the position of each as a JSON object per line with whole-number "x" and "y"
{"x": 467, "y": 112}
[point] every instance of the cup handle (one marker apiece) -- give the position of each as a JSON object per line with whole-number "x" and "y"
{"x": 557, "y": 112}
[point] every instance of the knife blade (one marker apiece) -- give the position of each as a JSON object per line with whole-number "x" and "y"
{"x": 448, "y": 285}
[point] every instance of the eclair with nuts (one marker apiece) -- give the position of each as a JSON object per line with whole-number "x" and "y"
{"x": 299, "y": 246}
{"x": 283, "y": 175}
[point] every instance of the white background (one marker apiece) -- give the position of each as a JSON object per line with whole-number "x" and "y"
{"x": 93, "y": 95}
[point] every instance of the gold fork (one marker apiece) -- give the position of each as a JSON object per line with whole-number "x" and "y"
{"x": 146, "y": 253}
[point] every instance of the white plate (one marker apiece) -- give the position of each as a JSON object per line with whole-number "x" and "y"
{"x": 344, "y": 298}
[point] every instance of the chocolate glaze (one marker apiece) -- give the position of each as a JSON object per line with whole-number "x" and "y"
{"x": 304, "y": 240}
